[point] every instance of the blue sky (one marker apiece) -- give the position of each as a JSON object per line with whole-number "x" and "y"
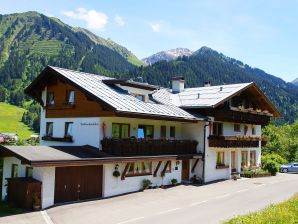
{"x": 261, "y": 33}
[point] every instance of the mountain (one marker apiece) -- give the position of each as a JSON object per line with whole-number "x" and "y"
{"x": 206, "y": 64}
{"x": 30, "y": 41}
{"x": 169, "y": 55}
{"x": 295, "y": 82}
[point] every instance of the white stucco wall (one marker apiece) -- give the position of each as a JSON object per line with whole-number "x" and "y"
{"x": 47, "y": 176}
{"x": 86, "y": 131}
{"x": 228, "y": 129}
{"x": 194, "y": 131}
{"x": 114, "y": 186}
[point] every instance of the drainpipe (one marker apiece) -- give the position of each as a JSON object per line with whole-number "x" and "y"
{"x": 204, "y": 150}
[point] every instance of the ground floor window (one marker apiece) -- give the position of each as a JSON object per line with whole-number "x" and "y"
{"x": 220, "y": 158}
{"x": 14, "y": 170}
{"x": 244, "y": 158}
{"x": 253, "y": 158}
{"x": 29, "y": 171}
{"x": 139, "y": 168}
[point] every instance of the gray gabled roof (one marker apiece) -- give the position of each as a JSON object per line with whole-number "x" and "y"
{"x": 119, "y": 99}
{"x": 200, "y": 97}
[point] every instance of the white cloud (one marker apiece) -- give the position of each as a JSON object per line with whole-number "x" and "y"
{"x": 94, "y": 19}
{"x": 119, "y": 20}
{"x": 156, "y": 27}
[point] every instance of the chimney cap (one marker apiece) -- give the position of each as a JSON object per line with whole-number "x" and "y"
{"x": 207, "y": 84}
{"x": 181, "y": 78}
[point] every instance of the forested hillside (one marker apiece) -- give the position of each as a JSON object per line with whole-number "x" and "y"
{"x": 30, "y": 41}
{"x": 209, "y": 65}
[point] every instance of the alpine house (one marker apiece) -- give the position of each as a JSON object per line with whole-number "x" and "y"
{"x": 102, "y": 137}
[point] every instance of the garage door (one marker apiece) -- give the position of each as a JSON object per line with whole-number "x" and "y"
{"x": 77, "y": 183}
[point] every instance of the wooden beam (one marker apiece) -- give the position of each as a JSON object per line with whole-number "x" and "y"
{"x": 166, "y": 166}
{"x": 157, "y": 168}
{"x": 194, "y": 165}
{"x": 125, "y": 171}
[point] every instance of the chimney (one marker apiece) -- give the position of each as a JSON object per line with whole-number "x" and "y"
{"x": 177, "y": 84}
{"x": 207, "y": 84}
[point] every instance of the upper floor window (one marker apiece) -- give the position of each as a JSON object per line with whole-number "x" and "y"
{"x": 49, "y": 129}
{"x": 14, "y": 170}
{"x": 237, "y": 128}
{"x": 50, "y": 99}
{"x": 253, "y": 130}
{"x": 217, "y": 129}
{"x": 163, "y": 132}
{"x": 68, "y": 129}
{"x": 146, "y": 131}
{"x": 245, "y": 129}
{"x": 120, "y": 130}
{"x": 70, "y": 96}
{"x": 172, "y": 132}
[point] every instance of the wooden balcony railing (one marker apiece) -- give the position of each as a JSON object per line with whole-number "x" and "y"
{"x": 134, "y": 147}
{"x": 233, "y": 141}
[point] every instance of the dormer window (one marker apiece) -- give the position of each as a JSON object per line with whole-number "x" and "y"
{"x": 140, "y": 97}
{"x": 50, "y": 99}
{"x": 70, "y": 97}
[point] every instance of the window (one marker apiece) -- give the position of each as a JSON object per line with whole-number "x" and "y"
{"x": 68, "y": 129}
{"x": 50, "y": 99}
{"x": 120, "y": 130}
{"x": 139, "y": 168}
{"x": 245, "y": 129}
{"x": 163, "y": 132}
{"x": 172, "y": 132}
{"x": 49, "y": 129}
{"x": 220, "y": 158}
{"x": 169, "y": 168}
{"x": 14, "y": 170}
{"x": 217, "y": 129}
{"x": 253, "y": 130}
{"x": 139, "y": 96}
{"x": 237, "y": 128}
{"x": 252, "y": 158}
{"x": 145, "y": 131}
{"x": 244, "y": 158}
{"x": 70, "y": 97}
{"x": 29, "y": 171}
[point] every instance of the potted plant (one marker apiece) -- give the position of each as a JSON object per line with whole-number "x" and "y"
{"x": 146, "y": 183}
{"x": 36, "y": 202}
{"x": 174, "y": 181}
{"x": 116, "y": 173}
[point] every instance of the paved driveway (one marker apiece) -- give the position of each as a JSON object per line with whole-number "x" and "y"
{"x": 182, "y": 204}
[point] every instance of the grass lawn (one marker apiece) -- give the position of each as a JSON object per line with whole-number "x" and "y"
{"x": 10, "y": 121}
{"x": 282, "y": 213}
{"x": 7, "y": 209}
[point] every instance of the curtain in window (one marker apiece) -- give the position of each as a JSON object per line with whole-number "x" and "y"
{"x": 116, "y": 131}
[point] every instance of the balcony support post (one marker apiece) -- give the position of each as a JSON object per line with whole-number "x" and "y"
{"x": 125, "y": 171}
{"x": 157, "y": 168}
{"x": 165, "y": 167}
{"x": 194, "y": 166}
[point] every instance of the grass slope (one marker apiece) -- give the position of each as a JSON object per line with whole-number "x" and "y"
{"x": 283, "y": 213}
{"x": 10, "y": 121}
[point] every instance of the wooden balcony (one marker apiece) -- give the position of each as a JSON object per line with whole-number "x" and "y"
{"x": 233, "y": 141}
{"x": 134, "y": 147}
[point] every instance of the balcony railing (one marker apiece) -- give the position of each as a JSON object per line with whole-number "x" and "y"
{"x": 234, "y": 141}
{"x": 134, "y": 147}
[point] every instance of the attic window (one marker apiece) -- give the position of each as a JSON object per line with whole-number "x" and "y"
{"x": 140, "y": 97}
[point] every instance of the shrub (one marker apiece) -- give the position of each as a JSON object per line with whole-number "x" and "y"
{"x": 146, "y": 183}
{"x": 174, "y": 181}
{"x": 272, "y": 162}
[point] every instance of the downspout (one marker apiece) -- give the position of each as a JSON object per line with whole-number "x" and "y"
{"x": 204, "y": 150}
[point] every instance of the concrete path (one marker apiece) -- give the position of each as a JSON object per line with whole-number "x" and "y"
{"x": 182, "y": 204}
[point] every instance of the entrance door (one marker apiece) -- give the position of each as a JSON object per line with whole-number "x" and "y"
{"x": 233, "y": 160}
{"x": 77, "y": 183}
{"x": 185, "y": 169}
